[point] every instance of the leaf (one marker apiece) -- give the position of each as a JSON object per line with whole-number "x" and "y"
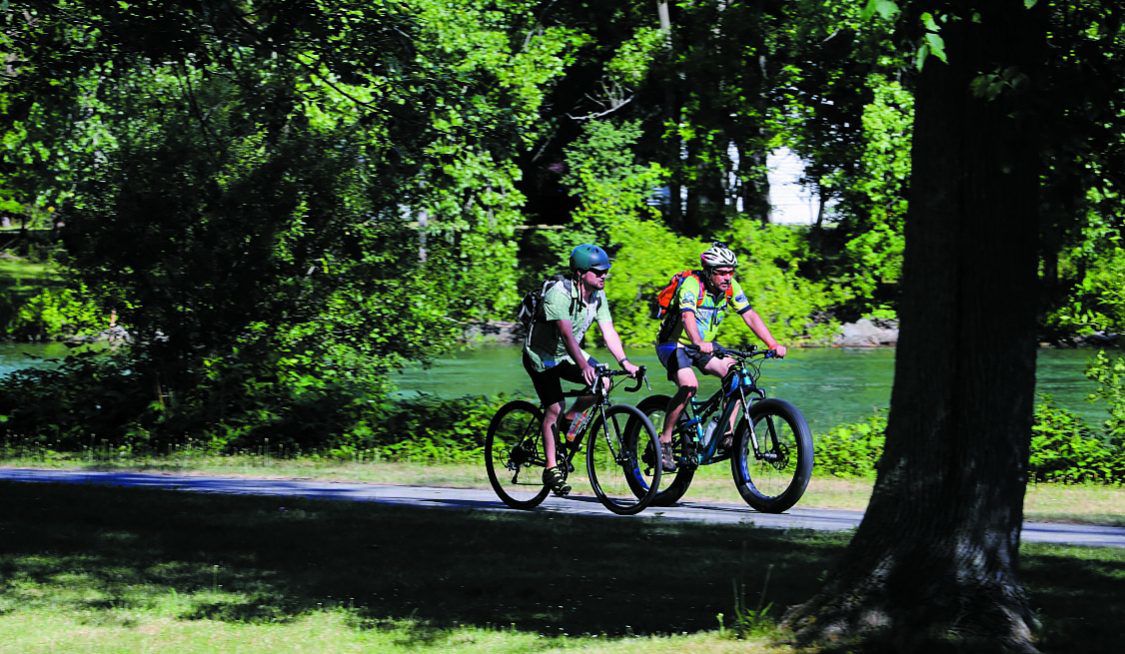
{"x": 1028, "y": 4}
{"x": 920, "y": 58}
{"x": 886, "y": 8}
{"x": 928, "y": 22}
{"x": 937, "y": 46}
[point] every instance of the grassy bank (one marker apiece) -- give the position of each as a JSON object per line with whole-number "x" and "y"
{"x": 1086, "y": 503}
{"x": 124, "y": 570}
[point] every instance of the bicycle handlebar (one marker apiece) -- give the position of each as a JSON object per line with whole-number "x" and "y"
{"x": 721, "y": 351}
{"x": 604, "y": 371}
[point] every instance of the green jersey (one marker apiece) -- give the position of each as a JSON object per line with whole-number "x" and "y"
{"x": 546, "y": 347}
{"x": 708, "y": 315}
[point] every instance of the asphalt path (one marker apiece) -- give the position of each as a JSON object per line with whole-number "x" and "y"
{"x": 485, "y": 500}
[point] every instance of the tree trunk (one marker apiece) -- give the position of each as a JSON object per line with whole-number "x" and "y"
{"x": 935, "y": 561}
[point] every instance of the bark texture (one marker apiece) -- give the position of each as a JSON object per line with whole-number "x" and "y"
{"x": 934, "y": 564}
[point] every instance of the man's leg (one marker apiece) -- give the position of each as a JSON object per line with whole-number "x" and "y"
{"x": 721, "y": 368}
{"x": 686, "y": 387}
{"x": 551, "y": 413}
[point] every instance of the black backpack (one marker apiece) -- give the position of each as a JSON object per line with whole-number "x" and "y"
{"x": 531, "y": 306}
{"x": 530, "y": 309}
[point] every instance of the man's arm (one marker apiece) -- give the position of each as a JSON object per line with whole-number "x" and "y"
{"x": 613, "y": 344}
{"x": 758, "y": 326}
{"x": 692, "y": 329}
{"x": 566, "y": 331}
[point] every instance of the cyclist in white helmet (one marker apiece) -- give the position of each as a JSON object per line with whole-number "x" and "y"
{"x": 687, "y": 335}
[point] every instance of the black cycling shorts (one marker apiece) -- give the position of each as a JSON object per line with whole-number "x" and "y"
{"x": 548, "y": 384}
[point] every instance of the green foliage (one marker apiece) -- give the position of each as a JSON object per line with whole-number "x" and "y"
{"x": 852, "y": 450}
{"x": 611, "y": 185}
{"x": 96, "y": 401}
{"x": 875, "y": 249}
{"x": 1109, "y": 373}
{"x": 55, "y": 313}
{"x": 1063, "y": 448}
{"x": 1095, "y": 268}
{"x": 431, "y": 430}
{"x": 748, "y": 622}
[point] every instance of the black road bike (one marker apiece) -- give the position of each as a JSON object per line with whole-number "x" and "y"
{"x": 770, "y": 447}
{"x": 514, "y": 457}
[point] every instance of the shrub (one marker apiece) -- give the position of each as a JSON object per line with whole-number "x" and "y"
{"x": 56, "y": 313}
{"x": 1109, "y": 373}
{"x": 851, "y": 450}
{"x": 1063, "y": 448}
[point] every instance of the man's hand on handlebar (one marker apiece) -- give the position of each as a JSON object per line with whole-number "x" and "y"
{"x": 628, "y": 367}
{"x": 589, "y": 373}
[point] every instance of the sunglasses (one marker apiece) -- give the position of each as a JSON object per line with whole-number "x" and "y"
{"x": 598, "y": 273}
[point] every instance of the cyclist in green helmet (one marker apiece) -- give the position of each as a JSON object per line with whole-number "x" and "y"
{"x": 553, "y": 351}
{"x": 686, "y": 338}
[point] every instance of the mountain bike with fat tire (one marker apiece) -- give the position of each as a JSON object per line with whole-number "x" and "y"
{"x": 770, "y": 446}
{"x": 623, "y": 480}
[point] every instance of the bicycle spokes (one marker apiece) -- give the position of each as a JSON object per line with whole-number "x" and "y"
{"x": 514, "y": 455}
{"x": 614, "y": 460}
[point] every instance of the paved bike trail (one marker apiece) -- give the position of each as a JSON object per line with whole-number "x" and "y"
{"x": 485, "y": 500}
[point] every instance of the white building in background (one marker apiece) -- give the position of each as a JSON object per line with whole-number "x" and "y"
{"x": 789, "y": 201}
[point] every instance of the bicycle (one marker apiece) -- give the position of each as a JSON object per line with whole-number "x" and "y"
{"x": 771, "y": 454}
{"x": 514, "y": 458}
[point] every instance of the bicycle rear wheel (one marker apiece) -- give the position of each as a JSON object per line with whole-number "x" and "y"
{"x": 654, "y": 408}
{"x": 774, "y": 479}
{"x": 513, "y": 455}
{"x": 621, "y": 480}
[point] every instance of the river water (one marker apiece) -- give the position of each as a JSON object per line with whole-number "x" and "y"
{"x": 830, "y": 385}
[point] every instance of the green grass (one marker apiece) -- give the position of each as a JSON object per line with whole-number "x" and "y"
{"x": 1087, "y": 504}
{"x": 91, "y": 569}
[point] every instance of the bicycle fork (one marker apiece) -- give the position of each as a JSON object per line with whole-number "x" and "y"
{"x": 771, "y": 454}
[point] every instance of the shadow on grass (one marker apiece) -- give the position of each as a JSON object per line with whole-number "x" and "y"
{"x": 249, "y": 559}
{"x": 273, "y": 559}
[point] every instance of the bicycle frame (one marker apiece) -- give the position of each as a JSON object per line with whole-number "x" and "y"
{"x": 600, "y": 392}
{"x": 743, "y": 392}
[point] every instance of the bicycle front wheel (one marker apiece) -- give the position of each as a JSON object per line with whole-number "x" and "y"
{"x": 513, "y": 455}
{"x": 623, "y": 482}
{"x": 775, "y": 477}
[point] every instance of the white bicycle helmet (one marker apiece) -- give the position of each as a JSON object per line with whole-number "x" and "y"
{"x": 718, "y": 256}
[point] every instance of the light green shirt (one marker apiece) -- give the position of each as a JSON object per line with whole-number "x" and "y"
{"x": 546, "y": 347}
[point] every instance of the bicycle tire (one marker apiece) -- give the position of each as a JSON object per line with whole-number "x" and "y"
{"x": 654, "y": 408}
{"x": 774, "y": 482}
{"x": 613, "y": 464}
{"x": 514, "y": 446}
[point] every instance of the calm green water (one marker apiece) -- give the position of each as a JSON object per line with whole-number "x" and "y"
{"x": 14, "y": 356}
{"x": 830, "y": 385}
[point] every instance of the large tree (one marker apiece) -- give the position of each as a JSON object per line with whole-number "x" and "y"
{"x": 936, "y": 558}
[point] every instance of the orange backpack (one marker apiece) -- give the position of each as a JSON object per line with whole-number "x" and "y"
{"x": 668, "y": 294}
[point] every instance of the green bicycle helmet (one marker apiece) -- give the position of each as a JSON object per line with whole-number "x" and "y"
{"x": 588, "y": 257}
